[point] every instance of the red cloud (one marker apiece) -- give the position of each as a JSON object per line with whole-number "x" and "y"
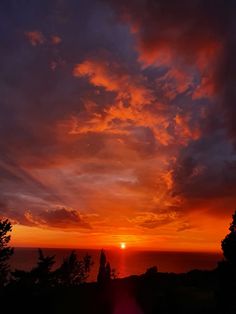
{"x": 185, "y": 127}
{"x": 152, "y": 220}
{"x": 57, "y": 218}
{"x": 113, "y": 78}
{"x": 55, "y": 40}
{"x": 173, "y": 34}
{"x": 35, "y": 37}
{"x": 132, "y": 107}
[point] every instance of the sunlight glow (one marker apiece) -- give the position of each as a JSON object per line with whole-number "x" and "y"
{"x": 123, "y": 245}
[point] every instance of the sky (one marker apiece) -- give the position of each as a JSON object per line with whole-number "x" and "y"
{"x": 117, "y": 122}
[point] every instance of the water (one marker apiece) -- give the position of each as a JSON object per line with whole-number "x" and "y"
{"x": 126, "y": 262}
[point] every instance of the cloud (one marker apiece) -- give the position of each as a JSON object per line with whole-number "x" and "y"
{"x": 175, "y": 81}
{"x": 14, "y": 216}
{"x": 35, "y": 37}
{"x": 135, "y": 105}
{"x": 195, "y": 43}
{"x": 196, "y": 34}
{"x": 56, "y": 40}
{"x": 152, "y": 220}
{"x": 185, "y": 125}
{"x": 133, "y": 117}
{"x": 185, "y": 226}
{"x": 167, "y": 30}
{"x": 113, "y": 78}
{"x": 58, "y": 218}
{"x": 204, "y": 170}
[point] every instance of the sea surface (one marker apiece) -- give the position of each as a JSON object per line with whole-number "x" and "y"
{"x": 126, "y": 262}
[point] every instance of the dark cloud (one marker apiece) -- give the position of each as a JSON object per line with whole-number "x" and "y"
{"x": 58, "y": 218}
{"x": 206, "y": 168}
{"x": 198, "y": 34}
{"x": 16, "y": 217}
{"x": 185, "y": 27}
{"x": 122, "y": 108}
{"x": 201, "y": 33}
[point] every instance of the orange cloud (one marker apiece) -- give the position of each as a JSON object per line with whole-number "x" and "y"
{"x": 35, "y": 37}
{"x": 168, "y": 179}
{"x": 185, "y": 126}
{"x": 134, "y": 102}
{"x": 206, "y": 88}
{"x": 153, "y": 220}
{"x": 175, "y": 82}
{"x": 55, "y": 39}
{"x": 112, "y": 77}
{"x": 121, "y": 120}
{"x": 136, "y": 137}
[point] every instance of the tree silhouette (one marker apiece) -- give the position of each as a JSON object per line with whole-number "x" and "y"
{"x": 88, "y": 263}
{"x": 101, "y": 278}
{"x": 42, "y": 274}
{"x": 108, "y": 271}
{"x": 114, "y": 273}
{"x": 229, "y": 243}
{"x": 5, "y": 250}
{"x": 226, "y": 271}
{"x": 73, "y": 272}
{"x": 104, "y": 272}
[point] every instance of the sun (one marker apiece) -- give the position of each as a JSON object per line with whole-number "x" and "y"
{"x": 123, "y": 245}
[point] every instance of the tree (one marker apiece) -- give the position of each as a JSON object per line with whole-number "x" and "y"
{"x": 5, "y": 250}
{"x": 73, "y": 271}
{"x": 104, "y": 273}
{"x": 229, "y": 243}
{"x": 42, "y": 274}
{"x": 101, "y": 278}
{"x": 226, "y": 271}
{"x": 108, "y": 271}
{"x": 114, "y": 273}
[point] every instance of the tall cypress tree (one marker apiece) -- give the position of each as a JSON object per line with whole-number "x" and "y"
{"x": 101, "y": 278}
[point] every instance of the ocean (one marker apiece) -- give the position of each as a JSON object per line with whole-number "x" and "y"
{"x": 126, "y": 262}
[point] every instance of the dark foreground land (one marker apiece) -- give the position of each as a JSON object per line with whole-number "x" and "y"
{"x": 194, "y": 292}
{"x": 64, "y": 290}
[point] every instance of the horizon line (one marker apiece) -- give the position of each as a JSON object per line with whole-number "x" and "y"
{"x": 118, "y": 249}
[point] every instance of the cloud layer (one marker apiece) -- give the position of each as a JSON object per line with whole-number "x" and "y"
{"x": 117, "y": 118}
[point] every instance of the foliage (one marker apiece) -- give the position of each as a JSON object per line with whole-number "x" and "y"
{"x": 73, "y": 272}
{"x": 102, "y": 268}
{"x": 42, "y": 272}
{"x": 5, "y": 250}
{"x": 151, "y": 271}
{"x": 105, "y": 272}
{"x": 41, "y": 275}
{"x": 229, "y": 243}
{"x": 114, "y": 274}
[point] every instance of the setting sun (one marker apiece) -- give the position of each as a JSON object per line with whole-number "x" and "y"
{"x": 123, "y": 245}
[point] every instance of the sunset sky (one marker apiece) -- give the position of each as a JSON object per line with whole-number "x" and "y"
{"x": 118, "y": 122}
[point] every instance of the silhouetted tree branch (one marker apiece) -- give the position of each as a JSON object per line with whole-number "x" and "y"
{"x": 104, "y": 272}
{"x": 73, "y": 271}
{"x": 40, "y": 275}
{"x": 5, "y": 250}
{"x": 229, "y": 243}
